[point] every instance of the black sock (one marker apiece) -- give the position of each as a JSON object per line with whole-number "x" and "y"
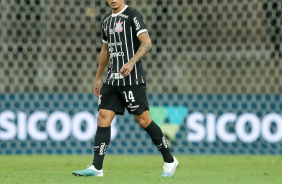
{"x": 158, "y": 139}
{"x": 102, "y": 141}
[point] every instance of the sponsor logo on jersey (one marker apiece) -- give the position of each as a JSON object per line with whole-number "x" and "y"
{"x": 112, "y": 31}
{"x": 124, "y": 16}
{"x": 115, "y": 44}
{"x": 111, "y": 49}
{"x": 116, "y": 54}
{"x": 137, "y": 24}
{"x": 119, "y": 27}
{"x": 116, "y": 76}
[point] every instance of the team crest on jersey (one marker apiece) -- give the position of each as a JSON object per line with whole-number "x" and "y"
{"x": 119, "y": 27}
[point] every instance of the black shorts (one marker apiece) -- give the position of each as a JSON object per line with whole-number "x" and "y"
{"x": 116, "y": 98}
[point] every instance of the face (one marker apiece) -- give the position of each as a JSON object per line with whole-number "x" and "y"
{"x": 116, "y": 5}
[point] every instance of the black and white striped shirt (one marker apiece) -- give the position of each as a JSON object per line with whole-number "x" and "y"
{"x": 120, "y": 32}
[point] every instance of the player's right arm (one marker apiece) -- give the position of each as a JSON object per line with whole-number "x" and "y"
{"x": 103, "y": 62}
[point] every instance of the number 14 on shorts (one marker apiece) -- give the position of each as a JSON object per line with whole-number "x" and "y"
{"x": 129, "y": 96}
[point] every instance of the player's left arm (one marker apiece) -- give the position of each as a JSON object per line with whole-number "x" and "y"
{"x": 144, "y": 48}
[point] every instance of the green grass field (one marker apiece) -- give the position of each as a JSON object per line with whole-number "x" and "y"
{"x": 142, "y": 169}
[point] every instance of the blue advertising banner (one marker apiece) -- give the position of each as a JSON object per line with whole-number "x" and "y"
{"x": 193, "y": 124}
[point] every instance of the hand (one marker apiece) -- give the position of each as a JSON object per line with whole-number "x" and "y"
{"x": 126, "y": 69}
{"x": 97, "y": 87}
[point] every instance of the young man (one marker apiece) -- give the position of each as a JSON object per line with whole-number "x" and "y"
{"x": 125, "y": 42}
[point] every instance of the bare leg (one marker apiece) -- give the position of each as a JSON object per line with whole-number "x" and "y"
{"x": 144, "y": 119}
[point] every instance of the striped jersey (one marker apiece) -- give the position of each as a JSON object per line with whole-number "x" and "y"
{"x": 120, "y": 32}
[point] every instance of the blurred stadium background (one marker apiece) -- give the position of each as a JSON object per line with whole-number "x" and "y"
{"x": 214, "y": 76}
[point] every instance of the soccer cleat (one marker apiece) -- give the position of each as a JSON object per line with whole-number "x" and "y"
{"x": 169, "y": 168}
{"x": 89, "y": 171}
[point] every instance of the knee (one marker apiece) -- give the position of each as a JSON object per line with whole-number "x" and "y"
{"x": 104, "y": 119}
{"x": 142, "y": 122}
{"x": 101, "y": 120}
{"x": 144, "y": 119}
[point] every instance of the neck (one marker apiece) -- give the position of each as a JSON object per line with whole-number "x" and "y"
{"x": 115, "y": 11}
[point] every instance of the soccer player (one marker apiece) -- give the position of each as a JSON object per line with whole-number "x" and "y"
{"x": 125, "y": 42}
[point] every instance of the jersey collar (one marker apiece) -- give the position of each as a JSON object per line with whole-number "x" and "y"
{"x": 114, "y": 15}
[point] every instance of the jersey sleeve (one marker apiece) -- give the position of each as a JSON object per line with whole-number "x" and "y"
{"x": 137, "y": 23}
{"x": 104, "y": 36}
